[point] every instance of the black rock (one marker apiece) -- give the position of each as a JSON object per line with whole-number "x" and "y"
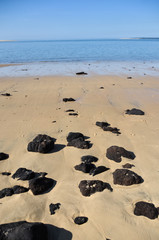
{"x": 23, "y": 231}
{"x": 69, "y": 100}
{"x": 74, "y": 135}
{"x": 102, "y": 124}
{"x": 101, "y": 87}
{"x": 19, "y": 189}
{"x": 88, "y": 187}
{"x": 54, "y": 207}
{"x": 6, "y": 173}
{"x": 6, "y": 94}
{"x": 70, "y": 110}
{"x": 81, "y": 73}
{"x": 3, "y": 156}
{"x": 85, "y": 167}
{"x": 146, "y": 209}
{"x": 14, "y": 190}
{"x": 73, "y": 114}
{"x": 126, "y": 177}
{"x": 134, "y": 111}
{"x": 128, "y": 165}
{"x": 42, "y": 144}
{"x": 115, "y": 153}
{"x": 98, "y": 170}
{"x": 89, "y": 159}
{"x": 129, "y": 77}
{"x": 80, "y": 220}
{"x": 41, "y": 185}
{"x": 79, "y": 143}
{"x": 106, "y": 127}
{"x": 23, "y": 174}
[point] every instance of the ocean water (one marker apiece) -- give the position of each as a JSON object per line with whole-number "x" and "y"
{"x": 66, "y": 57}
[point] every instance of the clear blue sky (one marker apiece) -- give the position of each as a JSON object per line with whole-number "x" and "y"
{"x": 78, "y": 19}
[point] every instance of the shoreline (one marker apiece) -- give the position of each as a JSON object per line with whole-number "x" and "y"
{"x": 137, "y": 68}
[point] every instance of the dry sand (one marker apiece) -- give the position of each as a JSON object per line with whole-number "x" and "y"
{"x": 31, "y": 110}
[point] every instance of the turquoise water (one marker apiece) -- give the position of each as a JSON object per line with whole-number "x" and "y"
{"x": 79, "y": 50}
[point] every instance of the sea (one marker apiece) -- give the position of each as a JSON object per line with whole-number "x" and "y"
{"x": 66, "y": 57}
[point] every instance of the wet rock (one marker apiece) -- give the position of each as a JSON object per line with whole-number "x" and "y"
{"x": 80, "y": 220}
{"x": 23, "y": 231}
{"x": 3, "y": 156}
{"x": 81, "y": 73}
{"x": 126, "y": 177}
{"x": 115, "y": 153}
{"x": 6, "y": 173}
{"x": 98, "y": 170}
{"x": 85, "y": 167}
{"x": 54, "y": 207}
{"x": 23, "y": 174}
{"x": 6, "y": 94}
{"x": 79, "y": 143}
{"x": 68, "y": 100}
{"x": 146, "y": 209}
{"x": 88, "y": 187}
{"x": 74, "y": 135}
{"x": 134, "y": 111}
{"x": 106, "y": 127}
{"x": 89, "y": 159}
{"x": 14, "y": 190}
{"x": 128, "y": 165}
{"x": 41, "y": 185}
{"x": 102, "y": 124}
{"x": 42, "y": 144}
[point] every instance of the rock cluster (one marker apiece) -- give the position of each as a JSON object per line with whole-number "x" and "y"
{"x": 106, "y": 127}
{"x": 77, "y": 140}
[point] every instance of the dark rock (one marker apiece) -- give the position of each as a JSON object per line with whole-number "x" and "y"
{"x": 134, "y": 111}
{"x": 68, "y": 100}
{"x": 73, "y": 114}
{"x": 88, "y": 187}
{"x": 19, "y": 189}
{"x": 126, "y": 177}
{"x": 14, "y": 190}
{"x": 23, "y": 174}
{"x": 89, "y": 159}
{"x": 106, "y": 127}
{"x": 41, "y": 185}
{"x": 129, "y": 77}
{"x": 81, "y": 73}
{"x": 42, "y": 144}
{"x": 3, "y": 156}
{"x": 113, "y": 130}
{"x": 102, "y": 124}
{"x": 80, "y": 220}
{"x": 6, "y": 173}
{"x": 6, "y": 94}
{"x": 23, "y": 231}
{"x": 128, "y": 165}
{"x": 115, "y": 153}
{"x": 70, "y": 110}
{"x": 74, "y": 135}
{"x": 6, "y": 192}
{"x": 101, "y": 87}
{"x": 98, "y": 170}
{"x": 146, "y": 209}
{"x": 53, "y": 121}
{"x": 54, "y": 207}
{"x": 79, "y": 143}
{"x": 85, "y": 167}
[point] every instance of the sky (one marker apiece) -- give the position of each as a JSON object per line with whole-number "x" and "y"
{"x": 78, "y": 19}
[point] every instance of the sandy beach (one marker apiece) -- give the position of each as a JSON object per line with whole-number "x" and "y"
{"x": 36, "y": 106}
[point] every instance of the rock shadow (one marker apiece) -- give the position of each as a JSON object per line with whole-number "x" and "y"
{"x": 57, "y": 148}
{"x": 58, "y": 233}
